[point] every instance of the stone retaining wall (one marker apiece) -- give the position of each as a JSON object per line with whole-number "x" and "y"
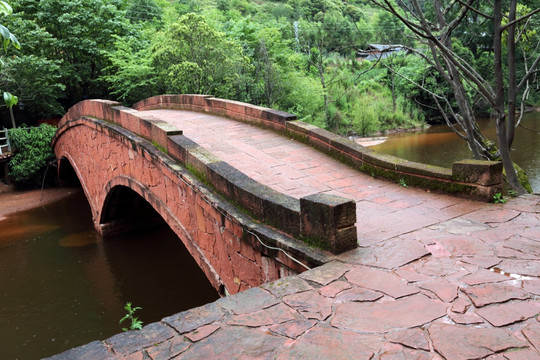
{"x": 476, "y": 179}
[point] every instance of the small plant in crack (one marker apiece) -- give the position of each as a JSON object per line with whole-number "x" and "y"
{"x": 136, "y": 324}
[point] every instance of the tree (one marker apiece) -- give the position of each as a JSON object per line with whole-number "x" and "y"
{"x": 80, "y": 33}
{"x": 435, "y": 29}
{"x": 325, "y": 32}
{"x": 190, "y": 56}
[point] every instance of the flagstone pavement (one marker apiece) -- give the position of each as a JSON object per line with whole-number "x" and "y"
{"x": 434, "y": 276}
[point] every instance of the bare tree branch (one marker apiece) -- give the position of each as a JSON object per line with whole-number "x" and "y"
{"x": 512, "y": 23}
{"x": 475, "y": 10}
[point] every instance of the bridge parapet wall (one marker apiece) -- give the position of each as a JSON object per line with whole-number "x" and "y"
{"x": 261, "y": 202}
{"x": 471, "y": 178}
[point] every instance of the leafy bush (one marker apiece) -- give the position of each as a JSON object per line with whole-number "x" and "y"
{"x": 33, "y": 153}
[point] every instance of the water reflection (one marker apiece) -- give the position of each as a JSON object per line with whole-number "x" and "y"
{"x": 62, "y": 286}
{"x": 439, "y": 146}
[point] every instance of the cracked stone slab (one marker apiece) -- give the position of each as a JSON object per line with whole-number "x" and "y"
{"x": 532, "y": 286}
{"x": 405, "y": 353}
{"x": 529, "y": 249}
{"x": 509, "y": 313}
{"x": 521, "y": 267}
{"x": 438, "y": 267}
{"x": 310, "y": 304}
{"x": 459, "y": 342}
{"x": 469, "y": 318}
{"x": 248, "y": 301}
{"x": 392, "y": 254}
{"x": 461, "y": 305}
{"x": 167, "y": 349}
{"x": 235, "y": 342}
{"x": 132, "y": 341}
{"x": 332, "y": 289}
{"x": 483, "y": 276}
{"x": 406, "y": 312}
{"x": 461, "y": 246}
{"x": 330, "y": 343}
{"x": 293, "y": 329}
{"x": 96, "y": 350}
{"x": 413, "y": 338}
{"x": 203, "y": 332}
{"x": 192, "y": 319}
{"x": 445, "y": 290}
{"x": 481, "y": 261}
{"x": 410, "y": 274}
{"x": 326, "y": 273}
{"x": 358, "y": 294}
{"x": 526, "y": 354}
{"x": 496, "y": 214}
{"x": 379, "y": 280}
{"x": 532, "y": 333}
{"x": 460, "y": 226}
{"x": 494, "y": 293}
{"x": 273, "y": 315}
{"x": 286, "y": 286}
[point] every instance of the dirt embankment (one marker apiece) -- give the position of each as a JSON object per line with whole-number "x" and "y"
{"x": 13, "y": 200}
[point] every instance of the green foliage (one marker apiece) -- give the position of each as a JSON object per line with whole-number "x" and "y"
{"x": 33, "y": 153}
{"x": 37, "y": 81}
{"x": 7, "y": 36}
{"x": 130, "y": 75}
{"x": 402, "y": 182}
{"x": 135, "y": 323}
{"x": 498, "y": 198}
{"x": 190, "y": 56}
{"x": 77, "y": 36}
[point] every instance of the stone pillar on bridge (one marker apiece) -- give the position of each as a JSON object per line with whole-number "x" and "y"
{"x": 328, "y": 221}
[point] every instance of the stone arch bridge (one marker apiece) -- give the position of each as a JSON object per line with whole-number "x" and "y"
{"x": 136, "y": 166}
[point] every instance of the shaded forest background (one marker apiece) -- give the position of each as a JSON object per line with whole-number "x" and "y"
{"x": 299, "y": 56}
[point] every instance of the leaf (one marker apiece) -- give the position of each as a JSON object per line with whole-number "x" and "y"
{"x": 5, "y": 9}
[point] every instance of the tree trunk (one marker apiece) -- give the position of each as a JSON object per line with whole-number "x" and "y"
{"x": 12, "y": 117}
{"x": 512, "y": 86}
{"x": 500, "y": 116}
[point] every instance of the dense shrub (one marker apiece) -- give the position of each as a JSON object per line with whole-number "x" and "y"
{"x": 32, "y": 153}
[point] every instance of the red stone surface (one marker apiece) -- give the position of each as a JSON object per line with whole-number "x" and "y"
{"x": 413, "y": 338}
{"x": 509, "y": 313}
{"x": 445, "y": 290}
{"x": 382, "y": 281}
{"x": 408, "y": 312}
{"x": 370, "y": 302}
{"x": 494, "y": 293}
{"x": 460, "y": 342}
{"x": 328, "y": 343}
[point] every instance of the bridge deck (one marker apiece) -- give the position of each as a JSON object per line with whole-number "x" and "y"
{"x": 418, "y": 287}
{"x": 384, "y": 209}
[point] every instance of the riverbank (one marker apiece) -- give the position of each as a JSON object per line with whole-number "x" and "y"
{"x": 13, "y": 200}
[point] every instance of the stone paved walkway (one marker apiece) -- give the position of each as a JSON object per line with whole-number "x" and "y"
{"x": 435, "y": 277}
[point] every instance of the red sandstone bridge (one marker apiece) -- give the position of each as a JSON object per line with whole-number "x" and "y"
{"x": 396, "y": 272}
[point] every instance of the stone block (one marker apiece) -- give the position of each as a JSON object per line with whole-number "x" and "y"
{"x": 485, "y": 173}
{"x": 329, "y": 220}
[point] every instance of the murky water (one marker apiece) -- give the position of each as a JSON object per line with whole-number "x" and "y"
{"x": 62, "y": 286}
{"x": 439, "y": 146}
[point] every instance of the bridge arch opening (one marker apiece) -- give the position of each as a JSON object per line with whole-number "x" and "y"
{"x": 67, "y": 176}
{"x": 125, "y": 211}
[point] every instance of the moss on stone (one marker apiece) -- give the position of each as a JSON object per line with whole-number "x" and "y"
{"x": 315, "y": 243}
